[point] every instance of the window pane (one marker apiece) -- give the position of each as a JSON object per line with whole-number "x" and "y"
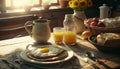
{"x": 49, "y": 1}
{"x": 53, "y": 1}
{"x": 35, "y": 1}
{"x": 19, "y": 3}
{"x": 8, "y": 3}
{"x": 24, "y": 3}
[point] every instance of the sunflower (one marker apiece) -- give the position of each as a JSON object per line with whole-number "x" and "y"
{"x": 74, "y": 4}
{"x": 89, "y": 3}
{"x": 83, "y": 4}
{"x": 79, "y": 5}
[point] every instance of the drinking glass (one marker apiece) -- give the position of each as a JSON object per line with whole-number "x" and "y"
{"x": 58, "y": 34}
{"x": 69, "y": 37}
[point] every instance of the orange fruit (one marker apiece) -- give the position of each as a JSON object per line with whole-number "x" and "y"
{"x": 86, "y": 34}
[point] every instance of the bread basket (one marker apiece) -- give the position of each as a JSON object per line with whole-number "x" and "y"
{"x": 105, "y": 48}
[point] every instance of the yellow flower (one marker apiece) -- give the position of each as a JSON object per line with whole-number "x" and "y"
{"x": 80, "y": 5}
{"x": 73, "y": 3}
{"x": 83, "y": 4}
{"x": 89, "y": 3}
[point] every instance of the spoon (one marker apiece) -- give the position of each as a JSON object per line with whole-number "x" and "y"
{"x": 93, "y": 57}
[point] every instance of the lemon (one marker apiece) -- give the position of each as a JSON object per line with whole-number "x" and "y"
{"x": 86, "y": 34}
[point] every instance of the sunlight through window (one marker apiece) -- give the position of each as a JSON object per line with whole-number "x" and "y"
{"x": 23, "y": 3}
{"x": 8, "y": 3}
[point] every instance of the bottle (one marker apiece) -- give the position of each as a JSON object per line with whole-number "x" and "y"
{"x": 69, "y": 36}
{"x": 68, "y": 23}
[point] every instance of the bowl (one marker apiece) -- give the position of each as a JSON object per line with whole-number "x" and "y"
{"x": 106, "y": 48}
{"x": 100, "y": 26}
{"x": 97, "y": 30}
{"x": 46, "y": 6}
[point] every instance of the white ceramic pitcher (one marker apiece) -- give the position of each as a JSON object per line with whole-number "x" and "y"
{"x": 105, "y": 11}
{"x": 40, "y": 30}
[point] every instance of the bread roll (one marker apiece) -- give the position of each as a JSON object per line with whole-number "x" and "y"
{"x": 112, "y": 22}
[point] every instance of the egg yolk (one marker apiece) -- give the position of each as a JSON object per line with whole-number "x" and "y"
{"x": 44, "y": 50}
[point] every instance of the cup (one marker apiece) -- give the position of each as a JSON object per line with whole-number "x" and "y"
{"x": 69, "y": 37}
{"x": 46, "y": 6}
{"x": 58, "y": 34}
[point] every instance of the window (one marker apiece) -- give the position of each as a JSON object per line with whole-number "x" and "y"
{"x": 23, "y": 3}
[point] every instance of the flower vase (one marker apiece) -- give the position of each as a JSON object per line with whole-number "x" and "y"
{"x": 79, "y": 17}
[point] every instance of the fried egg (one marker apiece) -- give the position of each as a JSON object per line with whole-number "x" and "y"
{"x": 45, "y": 52}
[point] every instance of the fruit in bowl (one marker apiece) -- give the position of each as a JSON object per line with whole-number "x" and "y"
{"x": 107, "y": 25}
{"x": 86, "y": 34}
{"x": 94, "y": 22}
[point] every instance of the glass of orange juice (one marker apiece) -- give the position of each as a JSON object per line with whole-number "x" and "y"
{"x": 58, "y": 34}
{"x": 69, "y": 37}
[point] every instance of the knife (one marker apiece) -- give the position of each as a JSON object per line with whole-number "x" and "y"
{"x": 86, "y": 60}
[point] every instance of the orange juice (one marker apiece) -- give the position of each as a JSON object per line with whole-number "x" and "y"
{"x": 69, "y": 37}
{"x": 58, "y": 37}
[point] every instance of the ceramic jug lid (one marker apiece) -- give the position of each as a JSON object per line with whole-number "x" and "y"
{"x": 104, "y": 6}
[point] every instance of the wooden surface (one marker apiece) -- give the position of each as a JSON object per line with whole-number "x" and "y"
{"x": 106, "y": 60}
{"x": 11, "y": 27}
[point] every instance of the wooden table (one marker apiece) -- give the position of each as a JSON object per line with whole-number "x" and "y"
{"x": 106, "y": 60}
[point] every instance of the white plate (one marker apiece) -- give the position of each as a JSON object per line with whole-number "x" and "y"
{"x": 23, "y": 55}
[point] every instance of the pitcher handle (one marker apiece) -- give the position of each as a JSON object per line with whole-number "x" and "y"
{"x": 109, "y": 13}
{"x": 26, "y": 28}
{"x": 29, "y": 47}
